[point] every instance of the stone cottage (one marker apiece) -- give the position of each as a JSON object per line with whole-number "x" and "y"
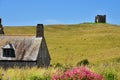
{"x": 22, "y": 51}
{"x": 100, "y": 19}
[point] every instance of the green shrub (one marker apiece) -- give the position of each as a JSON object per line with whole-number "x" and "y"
{"x": 39, "y": 78}
{"x": 35, "y": 78}
{"x": 58, "y": 65}
{"x": 110, "y": 75}
{"x": 83, "y": 62}
{"x": 118, "y": 60}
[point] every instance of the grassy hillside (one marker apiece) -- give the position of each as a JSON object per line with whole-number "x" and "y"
{"x": 99, "y": 43}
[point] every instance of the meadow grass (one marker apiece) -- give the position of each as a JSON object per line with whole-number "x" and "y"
{"x": 69, "y": 44}
{"x": 72, "y": 43}
{"x": 108, "y": 71}
{"x": 26, "y": 73}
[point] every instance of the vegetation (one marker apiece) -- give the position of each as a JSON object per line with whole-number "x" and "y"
{"x": 26, "y": 74}
{"x": 78, "y": 73}
{"x": 108, "y": 72}
{"x": 70, "y": 44}
{"x": 83, "y": 62}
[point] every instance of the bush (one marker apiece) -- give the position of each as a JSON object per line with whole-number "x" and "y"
{"x": 78, "y": 73}
{"x": 110, "y": 76}
{"x": 39, "y": 78}
{"x": 58, "y": 65}
{"x": 118, "y": 60}
{"x": 35, "y": 78}
{"x": 83, "y": 62}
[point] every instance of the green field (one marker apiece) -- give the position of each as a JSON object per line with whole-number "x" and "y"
{"x": 69, "y": 44}
{"x": 73, "y": 43}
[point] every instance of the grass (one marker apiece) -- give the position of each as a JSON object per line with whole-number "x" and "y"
{"x": 72, "y": 43}
{"x": 19, "y": 30}
{"x": 26, "y": 73}
{"x": 108, "y": 71}
{"x": 69, "y": 44}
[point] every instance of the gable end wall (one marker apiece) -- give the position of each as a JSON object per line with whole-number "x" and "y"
{"x": 43, "y": 59}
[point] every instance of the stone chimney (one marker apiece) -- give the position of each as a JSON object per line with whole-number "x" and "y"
{"x": 1, "y": 27}
{"x": 40, "y": 30}
{"x": 0, "y": 21}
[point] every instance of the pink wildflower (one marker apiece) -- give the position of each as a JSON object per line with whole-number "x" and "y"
{"x": 78, "y": 73}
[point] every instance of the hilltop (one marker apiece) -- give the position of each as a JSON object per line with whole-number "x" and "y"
{"x": 98, "y": 43}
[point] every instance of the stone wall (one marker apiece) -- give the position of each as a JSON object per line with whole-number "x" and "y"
{"x": 100, "y": 19}
{"x": 7, "y": 64}
{"x": 43, "y": 59}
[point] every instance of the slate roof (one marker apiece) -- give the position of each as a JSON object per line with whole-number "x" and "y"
{"x": 26, "y": 47}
